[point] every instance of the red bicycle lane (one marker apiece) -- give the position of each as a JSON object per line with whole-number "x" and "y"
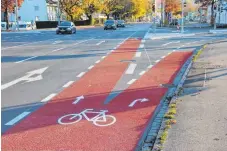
{"x": 41, "y": 131}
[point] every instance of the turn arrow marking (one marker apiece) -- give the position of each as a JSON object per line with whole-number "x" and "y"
{"x": 78, "y": 99}
{"x": 134, "y": 102}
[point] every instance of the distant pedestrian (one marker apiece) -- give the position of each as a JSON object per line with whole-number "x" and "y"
{"x": 178, "y": 27}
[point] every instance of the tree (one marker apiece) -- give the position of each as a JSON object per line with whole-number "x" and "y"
{"x": 173, "y": 6}
{"x": 72, "y": 8}
{"x": 8, "y": 6}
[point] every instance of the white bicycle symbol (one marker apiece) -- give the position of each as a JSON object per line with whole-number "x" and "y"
{"x": 101, "y": 119}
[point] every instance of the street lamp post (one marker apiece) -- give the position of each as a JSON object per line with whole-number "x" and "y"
{"x": 16, "y": 16}
{"x": 182, "y": 16}
{"x": 58, "y": 12}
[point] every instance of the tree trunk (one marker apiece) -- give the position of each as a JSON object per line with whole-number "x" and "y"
{"x": 7, "y": 19}
{"x": 90, "y": 19}
{"x": 71, "y": 17}
{"x": 108, "y": 16}
{"x": 212, "y": 20}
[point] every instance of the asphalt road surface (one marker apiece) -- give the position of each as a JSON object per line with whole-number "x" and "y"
{"x": 94, "y": 90}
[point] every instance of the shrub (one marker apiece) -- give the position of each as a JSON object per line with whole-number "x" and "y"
{"x": 163, "y": 137}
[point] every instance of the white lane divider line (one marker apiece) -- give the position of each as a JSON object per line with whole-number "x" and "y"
{"x": 100, "y": 42}
{"x": 26, "y": 59}
{"x": 112, "y": 50}
{"x": 178, "y": 47}
{"x": 142, "y": 72}
{"x": 115, "y": 48}
{"x": 157, "y": 61}
{"x": 138, "y": 54}
{"x": 163, "y": 57}
{"x": 103, "y": 57}
{"x": 182, "y": 45}
{"x": 81, "y": 74}
{"x": 57, "y": 49}
{"x": 169, "y": 53}
{"x": 90, "y": 67}
{"x": 150, "y": 66}
{"x": 18, "y": 118}
{"x": 97, "y": 61}
{"x": 68, "y": 84}
{"x": 141, "y": 46}
{"x": 131, "y": 68}
{"x": 170, "y": 43}
{"x": 131, "y": 81}
{"x": 174, "y": 50}
{"x": 49, "y": 97}
{"x": 57, "y": 42}
{"x": 143, "y": 41}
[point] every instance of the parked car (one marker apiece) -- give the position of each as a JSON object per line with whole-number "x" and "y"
{"x": 66, "y": 27}
{"x": 120, "y": 23}
{"x": 110, "y": 24}
{"x": 174, "y": 22}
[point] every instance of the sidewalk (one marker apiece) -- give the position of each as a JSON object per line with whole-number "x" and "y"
{"x": 202, "y": 114}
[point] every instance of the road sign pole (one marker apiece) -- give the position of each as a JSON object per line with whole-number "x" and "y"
{"x": 16, "y": 15}
{"x": 182, "y": 16}
{"x": 58, "y": 12}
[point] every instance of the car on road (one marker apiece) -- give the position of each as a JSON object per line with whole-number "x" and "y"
{"x": 66, "y": 27}
{"x": 110, "y": 24}
{"x": 120, "y": 23}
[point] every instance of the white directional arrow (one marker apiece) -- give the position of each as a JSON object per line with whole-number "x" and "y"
{"x": 78, "y": 99}
{"x": 27, "y": 78}
{"x": 137, "y": 100}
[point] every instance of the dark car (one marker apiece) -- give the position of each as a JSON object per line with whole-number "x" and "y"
{"x": 120, "y": 23}
{"x": 110, "y": 24}
{"x": 66, "y": 27}
{"x": 174, "y": 22}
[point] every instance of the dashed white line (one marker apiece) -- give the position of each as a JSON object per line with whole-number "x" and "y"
{"x": 26, "y": 59}
{"x": 131, "y": 81}
{"x": 141, "y": 46}
{"x": 131, "y": 68}
{"x": 157, "y": 61}
{"x": 182, "y": 45}
{"x": 48, "y": 97}
{"x": 163, "y": 57}
{"x": 150, "y": 66}
{"x": 138, "y": 54}
{"x": 68, "y": 84}
{"x": 57, "y": 42}
{"x": 57, "y": 49}
{"x": 143, "y": 41}
{"x": 174, "y": 50}
{"x": 90, "y": 67}
{"x": 97, "y": 61}
{"x": 142, "y": 72}
{"x": 103, "y": 57}
{"x": 100, "y": 42}
{"x": 178, "y": 47}
{"x": 80, "y": 75}
{"x": 18, "y": 118}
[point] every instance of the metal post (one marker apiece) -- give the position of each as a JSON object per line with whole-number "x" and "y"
{"x": 58, "y": 12}
{"x": 16, "y": 15}
{"x": 182, "y": 16}
{"x": 155, "y": 3}
{"x": 215, "y": 14}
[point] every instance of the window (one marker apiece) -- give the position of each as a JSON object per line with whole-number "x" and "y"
{"x": 36, "y": 8}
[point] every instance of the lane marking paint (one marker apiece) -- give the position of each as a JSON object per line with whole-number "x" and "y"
{"x": 18, "y": 118}
{"x": 170, "y": 43}
{"x": 57, "y": 42}
{"x": 143, "y": 41}
{"x": 138, "y": 54}
{"x": 131, "y": 68}
{"x": 100, "y": 42}
{"x": 68, "y": 84}
{"x": 182, "y": 45}
{"x": 48, "y": 97}
{"x": 141, "y": 46}
{"x": 81, "y": 74}
{"x": 163, "y": 57}
{"x": 142, "y": 72}
{"x": 26, "y": 59}
{"x": 178, "y": 47}
{"x": 90, "y": 67}
{"x": 57, "y": 49}
{"x": 169, "y": 53}
{"x": 150, "y": 66}
{"x": 157, "y": 61}
{"x": 131, "y": 81}
{"x": 174, "y": 50}
{"x": 103, "y": 57}
{"x": 97, "y": 61}
{"x": 112, "y": 50}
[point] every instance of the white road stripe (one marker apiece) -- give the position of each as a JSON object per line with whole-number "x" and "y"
{"x": 81, "y": 74}
{"x": 26, "y": 59}
{"x": 169, "y": 53}
{"x": 131, "y": 68}
{"x": 68, "y": 84}
{"x": 100, "y": 42}
{"x": 163, "y": 57}
{"x": 142, "y": 72}
{"x": 157, "y": 61}
{"x": 57, "y": 49}
{"x": 182, "y": 45}
{"x": 97, "y": 61}
{"x": 57, "y": 42}
{"x": 178, "y": 48}
{"x": 174, "y": 50}
{"x": 170, "y": 43}
{"x": 48, "y": 98}
{"x": 138, "y": 54}
{"x": 150, "y": 66}
{"x": 90, "y": 67}
{"x": 111, "y": 50}
{"x": 18, "y": 118}
{"x": 141, "y": 46}
{"x": 143, "y": 41}
{"x": 103, "y": 57}
{"x": 131, "y": 81}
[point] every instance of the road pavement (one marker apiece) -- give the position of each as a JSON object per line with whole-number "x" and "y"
{"x": 46, "y": 76}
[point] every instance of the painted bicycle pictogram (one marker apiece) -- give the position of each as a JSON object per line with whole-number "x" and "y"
{"x": 101, "y": 119}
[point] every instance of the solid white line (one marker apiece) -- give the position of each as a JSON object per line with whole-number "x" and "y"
{"x": 138, "y": 54}
{"x": 167, "y": 43}
{"x": 150, "y": 66}
{"x": 142, "y": 72}
{"x": 141, "y": 46}
{"x": 97, "y": 61}
{"x": 163, "y": 57}
{"x": 26, "y": 59}
{"x": 100, "y": 42}
{"x": 57, "y": 49}
{"x": 103, "y": 57}
{"x": 48, "y": 98}
{"x": 205, "y": 77}
{"x": 81, "y": 74}
{"x": 131, "y": 68}
{"x": 18, "y": 118}
{"x": 90, "y": 67}
{"x": 131, "y": 81}
{"x": 157, "y": 61}
{"x": 68, "y": 84}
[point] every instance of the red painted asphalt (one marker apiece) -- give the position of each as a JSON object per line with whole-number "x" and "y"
{"x": 41, "y": 131}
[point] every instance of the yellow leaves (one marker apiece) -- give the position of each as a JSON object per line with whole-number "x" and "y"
{"x": 173, "y": 6}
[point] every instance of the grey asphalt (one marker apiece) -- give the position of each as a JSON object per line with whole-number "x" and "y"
{"x": 79, "y": 51}
{"x": 202, "y": 114}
